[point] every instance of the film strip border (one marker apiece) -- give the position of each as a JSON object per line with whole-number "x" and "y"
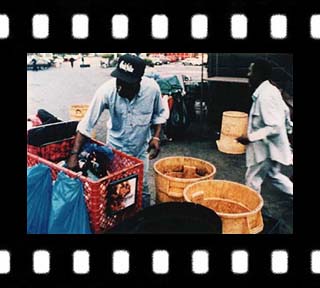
{"x": 120, "y": 28}
{"x": 160, "y": 262}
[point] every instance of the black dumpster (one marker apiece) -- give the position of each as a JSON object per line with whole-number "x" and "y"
{"x": 172, "y": 217}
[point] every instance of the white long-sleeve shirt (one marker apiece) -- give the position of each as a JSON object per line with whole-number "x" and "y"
{"x": 267, "y": 127}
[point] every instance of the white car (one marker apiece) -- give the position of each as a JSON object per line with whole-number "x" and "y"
{"x": 58, "y": 59}
{"x": 155, "y": 60}
{"x": 29, "y": 59}
{"x": 192, "y": 61}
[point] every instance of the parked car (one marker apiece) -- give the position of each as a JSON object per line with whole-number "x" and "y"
{"x": 158, "y": 58}
{"x": 155, "y": 60}
{"x": 37, "y": 63}
{"x": 105, "y": 63}
{"x": 29, "y": 59}
{"x": 192, "y": 61}
{"x": 57, "y": 62}
{"x": 172, "y": 58}
{"x": 164, "y": 59}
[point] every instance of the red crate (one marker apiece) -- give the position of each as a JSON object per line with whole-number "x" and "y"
{"x": 122, "y": 166}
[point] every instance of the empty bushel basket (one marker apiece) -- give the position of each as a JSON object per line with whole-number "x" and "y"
{"x": 238, "y": 205}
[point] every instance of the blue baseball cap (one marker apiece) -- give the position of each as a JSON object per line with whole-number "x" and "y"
{"x": 130, "y": 68}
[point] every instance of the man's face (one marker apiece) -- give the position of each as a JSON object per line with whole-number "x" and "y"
{"x": 127, "y": 90}
{"x": 253, "y": 77}
{"x": 250, "y": 73}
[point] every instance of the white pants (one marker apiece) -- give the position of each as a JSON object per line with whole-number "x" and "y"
{"x": 256, "y": 174}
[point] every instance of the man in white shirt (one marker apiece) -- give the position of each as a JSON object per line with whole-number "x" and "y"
{"x": 267, "y": 140}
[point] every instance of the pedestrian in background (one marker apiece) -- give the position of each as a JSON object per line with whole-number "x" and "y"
{"x": 72, "y": 61}
{"x": 267, "y": 139}
{"x": 34, "y": 65}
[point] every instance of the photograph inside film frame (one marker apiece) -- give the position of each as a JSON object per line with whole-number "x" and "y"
{"x": 159, "y": 143}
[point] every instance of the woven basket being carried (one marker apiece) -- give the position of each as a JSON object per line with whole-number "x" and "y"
{"x": 234, "y": 124}
{"x": 173, "y": 174}
{"x": 238, "y": 205}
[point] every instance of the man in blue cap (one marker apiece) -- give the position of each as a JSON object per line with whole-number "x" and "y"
{"x": 134, "y": 104}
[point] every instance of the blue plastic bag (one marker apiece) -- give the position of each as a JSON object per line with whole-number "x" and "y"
{"x": 39, "y": 192}
{"x": 69, "y": 212}
{"x": 169, "y": 85}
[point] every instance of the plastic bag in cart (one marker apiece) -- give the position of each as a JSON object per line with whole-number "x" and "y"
{"x": 39, "y": 192}
{"x": 69, "y": 214}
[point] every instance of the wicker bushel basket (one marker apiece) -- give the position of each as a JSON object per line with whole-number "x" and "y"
{"x": 173, "y": 174}
{"x": 234, "y": 124}
{"x": 238, "y": 205}
{"x": 77, "y": 111}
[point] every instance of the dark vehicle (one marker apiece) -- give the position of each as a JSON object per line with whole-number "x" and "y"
{"x": 36, "y": 64}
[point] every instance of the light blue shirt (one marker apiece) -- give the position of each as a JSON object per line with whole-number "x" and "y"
{"x": 130, "y": 121}
{"x": 269, "y": 122}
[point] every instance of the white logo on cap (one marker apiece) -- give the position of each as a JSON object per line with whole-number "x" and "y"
{"x": 126, "y": 66}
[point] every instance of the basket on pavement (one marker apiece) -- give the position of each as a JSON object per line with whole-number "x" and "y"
{"x": 238, "y": 205}
{"x": 173, "y": 174}
{"x": 78, "y": 111}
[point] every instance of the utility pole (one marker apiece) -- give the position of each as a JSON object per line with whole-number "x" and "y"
{"x": 217, "y": 63}
{"x": 201, "y": 100}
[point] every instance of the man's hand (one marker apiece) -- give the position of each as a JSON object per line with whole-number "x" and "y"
{"x": 154, "y": 146}
{"x": 72, "y": 163}
{"x": 243, "y": 140}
